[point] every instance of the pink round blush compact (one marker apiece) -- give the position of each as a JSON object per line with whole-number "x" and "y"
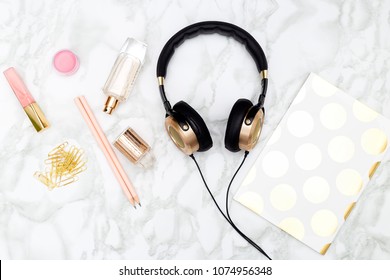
{"x": 66, "y": 62}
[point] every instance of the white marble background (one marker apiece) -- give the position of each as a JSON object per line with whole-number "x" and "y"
{"x": 346, "y": 42}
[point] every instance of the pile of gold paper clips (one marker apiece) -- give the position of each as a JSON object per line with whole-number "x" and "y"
{"x": 62, "y": 166}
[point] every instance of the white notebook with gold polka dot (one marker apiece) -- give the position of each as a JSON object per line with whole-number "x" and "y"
{"x": 316, "y": 163}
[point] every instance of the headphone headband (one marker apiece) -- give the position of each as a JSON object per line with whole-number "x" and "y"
{"x": 210, "y": 27}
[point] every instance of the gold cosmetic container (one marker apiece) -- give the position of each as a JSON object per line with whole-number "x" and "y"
{"x": 130, "y": 144}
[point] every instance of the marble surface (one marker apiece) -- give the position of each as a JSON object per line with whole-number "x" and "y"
{"x": 346, "y": 42}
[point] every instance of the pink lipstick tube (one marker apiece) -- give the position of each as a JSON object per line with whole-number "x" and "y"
{"x": 25, "y": 98}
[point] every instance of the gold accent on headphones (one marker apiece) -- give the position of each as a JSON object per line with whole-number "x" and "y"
{"x": 264, "y": 74}
{"x": 185, "y": 140}
{"x": 250, "y": 131}
{"x": 160, "y": 80}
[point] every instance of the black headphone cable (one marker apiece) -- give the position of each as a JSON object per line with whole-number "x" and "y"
{"x": 227, "y": 217}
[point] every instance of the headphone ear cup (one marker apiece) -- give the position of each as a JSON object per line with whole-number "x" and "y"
{"x": 196, "y": 123}
{"x": 234, "y": 124}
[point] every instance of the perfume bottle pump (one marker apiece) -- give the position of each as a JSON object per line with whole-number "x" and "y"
{"x": 124, "y": 73}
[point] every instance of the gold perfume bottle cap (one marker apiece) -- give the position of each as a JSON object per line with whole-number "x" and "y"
{"x": 134, "y": 148}
{"x": 110, "y": 105}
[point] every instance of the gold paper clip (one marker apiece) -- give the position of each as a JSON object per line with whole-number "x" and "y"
{"x": 62, "y": 166}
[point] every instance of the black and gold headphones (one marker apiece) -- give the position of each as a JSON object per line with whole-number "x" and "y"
{"x": 185, "y": 126}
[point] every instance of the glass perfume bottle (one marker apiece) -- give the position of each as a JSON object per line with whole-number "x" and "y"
{"x": 124, "y": 73}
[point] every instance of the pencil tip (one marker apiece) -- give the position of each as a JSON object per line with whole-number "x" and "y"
{"x": 134, "y": 207}
{"x": 139, "y": 203}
